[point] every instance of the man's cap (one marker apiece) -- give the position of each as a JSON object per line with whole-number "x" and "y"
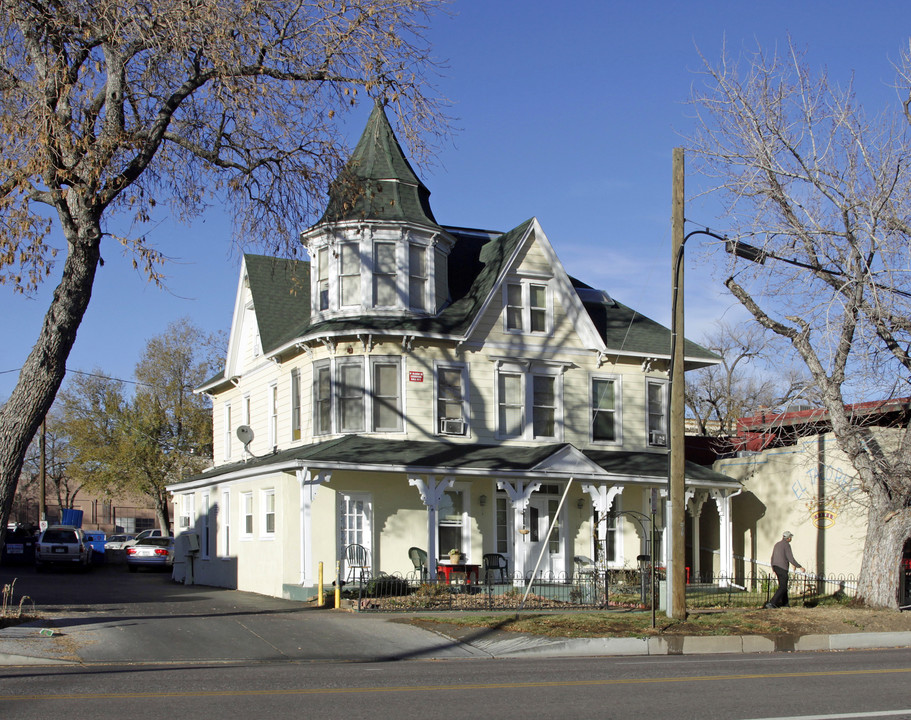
{"x": 787, "y": 534}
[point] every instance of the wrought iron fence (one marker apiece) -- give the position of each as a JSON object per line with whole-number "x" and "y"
{"x": 626, "y": 588}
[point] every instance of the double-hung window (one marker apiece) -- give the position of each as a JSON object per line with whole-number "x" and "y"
{"x": 452, "y": 523}
{"x": 386, "y": 379}
{"x": 528, "y": 308}
{"x": 350, "y": 385}
{"x": 346, "y": 399}
{"x": 417, "y": 276}
{"x": 268, "y": 513}
{"x": 273, "y": 415}
{"x": 605, "y": 409}
{"x": 229, "y": 431}
{"x": 529, "y": 401}
{"x": 349, "y": 274}
{"x": 657, "y": 412}
{"x": 246, "y": 502}
{"x": 384, "y": 275}
{"x": 296, "y": 404}
{"x": 452, "y": 399}
{"x": 322, "y": 278}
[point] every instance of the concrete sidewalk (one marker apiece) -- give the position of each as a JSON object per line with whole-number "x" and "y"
{"x": 380, "y": 638}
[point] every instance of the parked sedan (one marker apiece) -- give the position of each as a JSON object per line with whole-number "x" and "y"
{"x": 62, "y": 545}
{"x": 151, "y": 552}
{"x": 117, "y": 542}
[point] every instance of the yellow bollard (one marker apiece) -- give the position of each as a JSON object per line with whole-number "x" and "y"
{"x": 338, "y": 584}
{"x": 321, "y": 600}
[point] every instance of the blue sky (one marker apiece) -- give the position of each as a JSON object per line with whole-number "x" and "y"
{"x": 564, "y": 111}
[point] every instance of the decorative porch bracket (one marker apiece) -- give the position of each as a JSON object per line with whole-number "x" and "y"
{"x": 309, "y": 483}
{"x": 726, "y": 534}
{"x": 602, "y": 496}
{"x": 431, "y": 494}
{"x": 519, "y": 494}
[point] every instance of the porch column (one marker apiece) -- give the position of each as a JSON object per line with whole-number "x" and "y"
{"x": 695, "y": 501}
{"x": 309, "y": 485}
{"x": 518, "y": 494}
{"x": 602, "y": 500}
{"x": 431, "y": 494}
{"x": 726, "y": 534}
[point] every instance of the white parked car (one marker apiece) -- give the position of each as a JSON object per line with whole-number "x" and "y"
{"x": 152, "y": 532}
{"x": 119, "y": 541}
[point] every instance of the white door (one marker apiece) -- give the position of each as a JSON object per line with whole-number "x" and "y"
{"x": 541, "y": 512}
{"x": 355, "y": 520}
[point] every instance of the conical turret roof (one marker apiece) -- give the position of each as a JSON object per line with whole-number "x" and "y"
{"x": 378, "y": 182}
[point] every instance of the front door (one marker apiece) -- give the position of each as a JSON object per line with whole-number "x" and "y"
{"x": 541, "y": 511}
{"x": 355, "y": 521}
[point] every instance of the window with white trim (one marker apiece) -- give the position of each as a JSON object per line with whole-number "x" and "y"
{"x": 268, "y": 512}
{"x": 322, "y": 399}
{"x": 386, "y": 379}
{"x": 205, "y": 549}
{"x": 452, "y": 523}
{"x": 417, "y": 276}
{"x": 322, "y": 278}
{"x": 384, "y": 275}
{"x": 503, "y": 522}
{"x": 452, "y": 399}
{"x": 187, "y": 507}
{"x": 529, "y": 402}
{"x": 605, "y": 409}
{"x": 225, "y": 514}
{"x": 657, "y": 412}
{"x": 246, "y": 504}
{"x": 229, "y": 431}
{"x": 529, "y": 308}
{"x": 350, "y": 384}
{"x": 296, "y": 404}
{"x": 349, "y": 274}
{"x": 273, "y": 415}
{"x": 348, "y": 400}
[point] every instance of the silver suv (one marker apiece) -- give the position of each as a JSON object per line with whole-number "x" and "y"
{"x": 62, "y": 545}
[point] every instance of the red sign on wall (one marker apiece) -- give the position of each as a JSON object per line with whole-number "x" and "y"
{"x": 416, "y": 376}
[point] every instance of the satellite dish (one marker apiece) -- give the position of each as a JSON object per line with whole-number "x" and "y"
{"x": 245, "y": 434}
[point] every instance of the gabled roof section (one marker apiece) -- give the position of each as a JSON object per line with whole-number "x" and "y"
{"x": 628, "y": 332}
{"x": 378, "y": 182}
{"x": 281, "y": 297}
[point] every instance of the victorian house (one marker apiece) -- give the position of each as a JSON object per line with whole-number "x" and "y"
{"x": 434, "y": 386}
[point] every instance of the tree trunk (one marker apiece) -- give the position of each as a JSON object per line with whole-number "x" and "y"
{"x": 45, "y": 367}
{"x": 887, "y": 530}
{"x": 162, "y": 509}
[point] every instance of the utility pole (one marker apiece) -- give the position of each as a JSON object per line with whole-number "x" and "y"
{"x": 676, "y": 571}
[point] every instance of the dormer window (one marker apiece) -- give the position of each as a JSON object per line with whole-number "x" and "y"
{"x": 528, "y": 308}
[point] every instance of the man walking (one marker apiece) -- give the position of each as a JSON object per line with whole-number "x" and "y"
{"x": 782, "y": 558}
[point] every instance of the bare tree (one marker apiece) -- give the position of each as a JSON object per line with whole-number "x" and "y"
{"x": 750, "y": 377}
{"x": 823, "y": 191}
{"x": 113, "y": 108}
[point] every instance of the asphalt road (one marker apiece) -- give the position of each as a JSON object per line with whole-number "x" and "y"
{"x": 142, "y": 646}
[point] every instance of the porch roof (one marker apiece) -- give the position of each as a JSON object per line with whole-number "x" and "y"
{"x": 373, "y": 454}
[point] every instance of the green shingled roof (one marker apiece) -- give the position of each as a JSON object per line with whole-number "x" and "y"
{"x": 359, "y": 451}
{"x": 378, "y": 182}
{"x": 281, "y": 297}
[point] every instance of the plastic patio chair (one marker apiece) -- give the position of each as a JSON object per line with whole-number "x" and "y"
{"x": 419, "y": 559}
{"x": 585, "y": 565}
{"x": 495, "y": 563}
{"x": 358, "y": 563}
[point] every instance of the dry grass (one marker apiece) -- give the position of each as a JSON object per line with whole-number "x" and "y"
{"x": 782, "y": 621}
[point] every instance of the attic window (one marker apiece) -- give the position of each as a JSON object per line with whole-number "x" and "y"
{"x": 528, "y": 308}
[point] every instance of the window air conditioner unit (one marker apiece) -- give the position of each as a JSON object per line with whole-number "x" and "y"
{"x": 657, "y": 438}
{"x": 450, "y": 426}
